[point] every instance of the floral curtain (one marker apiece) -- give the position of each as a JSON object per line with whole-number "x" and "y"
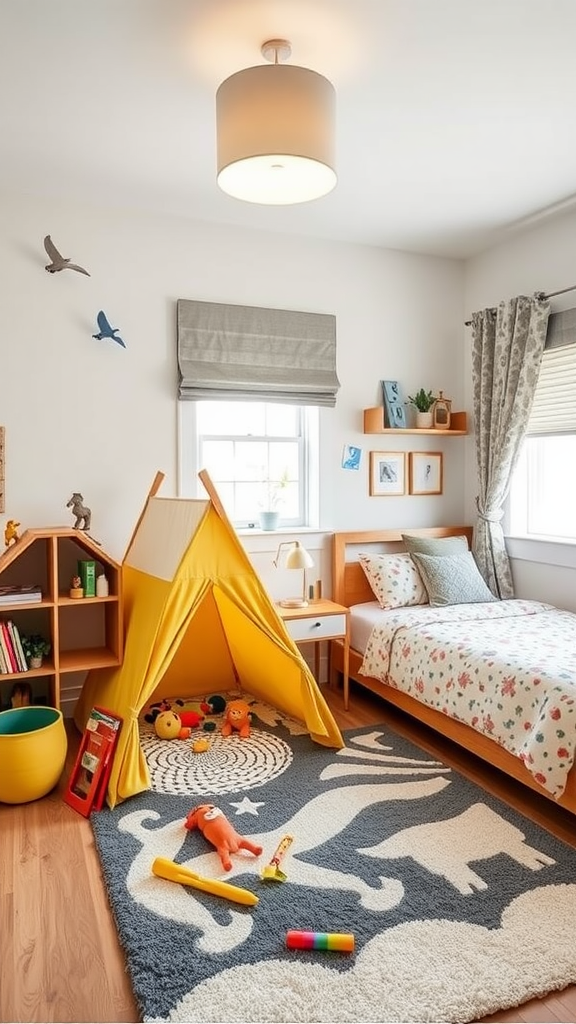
{"x": 507, "y": 347}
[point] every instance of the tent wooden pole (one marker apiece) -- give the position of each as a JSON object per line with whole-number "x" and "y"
{"x": 156, "y": 484}
{"x": 204, "y": 476}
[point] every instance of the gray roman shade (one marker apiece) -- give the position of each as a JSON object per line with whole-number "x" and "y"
{"x": 554, "y": 406}
{"x": 247, "y": 352}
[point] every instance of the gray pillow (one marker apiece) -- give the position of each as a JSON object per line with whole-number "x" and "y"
{"x": 452, "y": 579}
{"x": 435, "y": 545}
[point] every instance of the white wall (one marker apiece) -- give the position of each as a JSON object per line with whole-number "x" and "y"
{"x": 540, "y": 258}
{"x": 89, "y": 416}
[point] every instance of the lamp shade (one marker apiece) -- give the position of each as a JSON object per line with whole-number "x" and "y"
{"x": 299, "y": 558}
{"x": 275, "y": 135}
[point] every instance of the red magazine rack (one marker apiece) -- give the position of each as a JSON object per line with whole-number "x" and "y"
{"x": 89, "y": 778}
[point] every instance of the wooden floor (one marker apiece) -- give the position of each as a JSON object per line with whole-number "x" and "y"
{"x": 59, "y": 953}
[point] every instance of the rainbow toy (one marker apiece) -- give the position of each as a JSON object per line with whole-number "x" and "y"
{"x": 340, "y": 942}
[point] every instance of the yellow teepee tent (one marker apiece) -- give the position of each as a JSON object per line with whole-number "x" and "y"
{"x": 198, "y": 621}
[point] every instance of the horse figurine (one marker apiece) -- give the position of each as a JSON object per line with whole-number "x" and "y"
{"x": 11, "y": 534}
{"x": 82, "y": 513}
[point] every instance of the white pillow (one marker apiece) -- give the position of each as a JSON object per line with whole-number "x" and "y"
{"x": 394, "y": 579}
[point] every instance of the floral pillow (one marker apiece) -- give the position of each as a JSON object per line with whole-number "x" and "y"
{"x": 394, "y": 579}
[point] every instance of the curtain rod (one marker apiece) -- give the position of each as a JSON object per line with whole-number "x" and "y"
{"x": 540, "y": 295}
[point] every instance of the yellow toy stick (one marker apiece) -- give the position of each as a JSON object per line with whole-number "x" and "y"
{"x": 272, "y": 872}
{"x": 164, "y": 868}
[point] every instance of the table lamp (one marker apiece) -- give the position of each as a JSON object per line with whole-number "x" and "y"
{"x": 297, "y": 558}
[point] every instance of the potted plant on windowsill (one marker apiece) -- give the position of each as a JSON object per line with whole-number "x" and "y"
{"x": 272, "y": 500}
{"x": 422, "y": 402}
{"x": 35, "y": 647}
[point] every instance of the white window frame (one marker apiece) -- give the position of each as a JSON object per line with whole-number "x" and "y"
{"x": 189, "y": 466}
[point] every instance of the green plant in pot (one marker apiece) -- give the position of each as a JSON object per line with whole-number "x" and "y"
{"x": 422, "y": 402}
{"x": 35, "y": 647}
{"x": 273, "y": 495}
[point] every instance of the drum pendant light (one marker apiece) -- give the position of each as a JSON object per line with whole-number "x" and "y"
{"x": 275, "y": 131}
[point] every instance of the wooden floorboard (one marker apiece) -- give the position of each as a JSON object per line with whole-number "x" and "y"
{"x": 60, "y": 957}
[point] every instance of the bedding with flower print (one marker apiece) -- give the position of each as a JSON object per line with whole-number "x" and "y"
{"x": 505, "y": 668}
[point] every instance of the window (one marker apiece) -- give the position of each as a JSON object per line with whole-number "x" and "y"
{"x": 542, "y": 500}
{"x": 543, "y": 494}
{"x": 261, "y": 456}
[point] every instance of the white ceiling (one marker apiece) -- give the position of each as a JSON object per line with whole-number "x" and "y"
{"x": 455, "y": 118}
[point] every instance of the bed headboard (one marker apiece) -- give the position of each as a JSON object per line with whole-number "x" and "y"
{"x": 349, "y": 583}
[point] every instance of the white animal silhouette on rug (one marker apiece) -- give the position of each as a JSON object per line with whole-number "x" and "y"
{"x": 320, "y": 820}
{"x": 445, "y": 848}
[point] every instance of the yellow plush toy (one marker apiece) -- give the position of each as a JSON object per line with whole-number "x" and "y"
{"x": 168, "y": 726}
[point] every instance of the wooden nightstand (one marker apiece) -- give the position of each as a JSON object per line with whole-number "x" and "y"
{"x": 320, "y": 620}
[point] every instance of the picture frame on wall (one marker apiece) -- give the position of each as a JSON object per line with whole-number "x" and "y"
{"x": 426, "y": 472}
{"x": 387, "y": 473}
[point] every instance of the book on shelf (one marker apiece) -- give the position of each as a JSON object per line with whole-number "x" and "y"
{"x": 17, "y": 647}
{"x": 87, "y": 573}
{"x": 3, "y": 665}
{"x": 6, "y": 642}
{"x": 394, "y": 411}
{"x": 24, "y": 594}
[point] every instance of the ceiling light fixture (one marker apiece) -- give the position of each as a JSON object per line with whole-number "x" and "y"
{"x": 275, "y": 131}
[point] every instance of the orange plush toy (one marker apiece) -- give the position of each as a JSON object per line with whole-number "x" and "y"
{"x": 216, "y": 828}
{"x": 237, "y": 716}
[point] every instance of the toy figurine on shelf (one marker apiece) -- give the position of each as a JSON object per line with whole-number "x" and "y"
{"x": 76, "y": 588}
{"x": 82, "y": 513}
{"x": 11, "y": 534}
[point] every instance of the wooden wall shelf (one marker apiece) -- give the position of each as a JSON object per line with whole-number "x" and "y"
{"x": 374, "y": 424}
{"x": 85, "y": 633}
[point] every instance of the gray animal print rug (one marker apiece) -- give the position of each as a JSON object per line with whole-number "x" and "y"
{"x": 459, "y": 907}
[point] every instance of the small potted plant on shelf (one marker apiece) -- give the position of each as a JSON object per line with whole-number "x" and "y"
{"x": 422, "y": 402}
{"x": 35, "y": 648}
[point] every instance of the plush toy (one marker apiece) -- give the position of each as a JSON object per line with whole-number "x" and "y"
{"x": 168, "y": 726}
{"x": 201, "y": 745}
{"x": 237, "y": 717}
{"x": 155, "y": 710}
{"x": 189, "y": 719}
{"x": 216, "y": 703}
{"x": 216, "y": 828}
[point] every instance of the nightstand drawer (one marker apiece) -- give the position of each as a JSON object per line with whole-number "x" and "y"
{"x": 317, "y": 627}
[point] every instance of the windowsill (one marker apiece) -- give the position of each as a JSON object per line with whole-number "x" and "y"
{"x": 545, "y": 552}
{"x": 282, "y": 531}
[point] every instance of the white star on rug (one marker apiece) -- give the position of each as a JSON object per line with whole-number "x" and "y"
{"x": 247, "y": 806}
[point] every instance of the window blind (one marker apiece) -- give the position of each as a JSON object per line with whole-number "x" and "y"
{"x": 554, "y": 406}
{"x": 248, "y": 352}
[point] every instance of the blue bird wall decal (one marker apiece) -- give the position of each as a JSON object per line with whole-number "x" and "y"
{"x": 106, "y": 331}
{"x": 59, "y": 262}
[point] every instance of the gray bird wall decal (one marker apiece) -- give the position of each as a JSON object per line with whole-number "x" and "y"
{"x": 106, "y": 331}
{"x": 59, "y": 262}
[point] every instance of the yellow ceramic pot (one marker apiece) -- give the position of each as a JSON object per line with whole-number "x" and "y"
{"x": 33, "y": 745}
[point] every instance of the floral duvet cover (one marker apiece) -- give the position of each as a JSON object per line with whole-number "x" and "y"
{"x": 506, "y": 668}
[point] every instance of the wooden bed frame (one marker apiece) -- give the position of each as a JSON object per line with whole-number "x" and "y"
{"x": 350, "y": 586}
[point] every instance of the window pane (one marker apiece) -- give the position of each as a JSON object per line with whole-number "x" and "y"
{"x": 239, "y": 418}
{"x": 255, "y": 453}
{"x": 543, "y": 492}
